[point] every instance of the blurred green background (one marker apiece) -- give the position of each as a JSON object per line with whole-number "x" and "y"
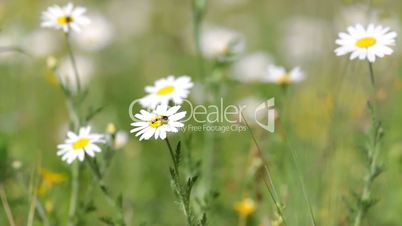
{"x": 149, "y": 39}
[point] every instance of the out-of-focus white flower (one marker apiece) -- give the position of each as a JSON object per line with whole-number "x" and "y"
{"x": 280, "y": 76}
{"x": 96, "y": 36}
{"x": 198, "y": 94}
{"x": 362, "y": 43}
{"x": 251, "y": 68}
{"x": 167, "y": 89}
{"x": 65, "y": 18}
{"x": 120, "y": 139}
{"x": 16, "y": 164}
{"x": 9, "y": 38}
{"x": 157, "y": 123}
{"x": 78, "y": 145}
{"x": 248, "y": 108}
{"x": 131, "y": 18}
{"x": 353, "y": 14}
{"x": 41, "y": 43}
{"x": 85, "y": 67}
{"x": 221, "y": 43}
{"x": 304, "y": 39}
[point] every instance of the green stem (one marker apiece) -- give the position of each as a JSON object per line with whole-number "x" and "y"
{"x": 373, "y": 151}
{"x": 74, "y": 194}
{"x": 303, "y": 187}
{"x": 73, "y": 64}
{"x": 372, "y": 79}
{"x": 198, "y": 15}
{"x": 105, "y": 191}
{"x": 294, "y": 160}
{"x": 6, "y": 206}
{"x": 172, "y": 155}
{"x": 270, "y": 184}
{"x": 182, "y": 192}
{"x": 213, "y": 87}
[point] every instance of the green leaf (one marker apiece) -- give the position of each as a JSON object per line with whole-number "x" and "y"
{"x": 119, "y": 201}
{"x": 93, "y": 112}
{"x": 107, "y": 220}
{"x": 178, "y": 153}
{"x": 203, "y": 220}
{"x": 3, "y": 159}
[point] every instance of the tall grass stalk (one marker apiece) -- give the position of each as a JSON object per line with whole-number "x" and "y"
{"x": 269, "y": 184}
{"x": 6, "y": 206}
{"x": 294, "y": 159}
{"x": 199, "y": 7}
{"x": 33, "y": 191}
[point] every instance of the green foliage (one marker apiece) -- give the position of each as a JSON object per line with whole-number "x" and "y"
{"x": 4, "y": 170}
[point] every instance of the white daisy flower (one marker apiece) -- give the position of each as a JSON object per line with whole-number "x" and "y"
{"x": 77, "y": 145}
{"x": 167, "y": 89}
{"x": 280, "y": 76}
{"x": 375, "y": 41}
{"x": 157, "y": 123}
{"x": 221, "y": 43}
{"x": 65, "y": 17}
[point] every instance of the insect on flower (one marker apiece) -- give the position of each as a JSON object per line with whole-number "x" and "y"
{"x": 157, "y": 123}
{"x": 65, "y": 18}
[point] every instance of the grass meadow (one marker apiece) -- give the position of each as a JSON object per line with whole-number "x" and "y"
{"x": 334, "y": 159}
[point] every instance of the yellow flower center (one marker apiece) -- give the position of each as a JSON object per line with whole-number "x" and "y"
{"x": 165, "y": 90}
{"x": 81, "y": 143}
{"x": 283, "y": 80}
{"x": 65, "y": 20}
{"x": 158, "y": 121}
{"x": 366, "y": 42}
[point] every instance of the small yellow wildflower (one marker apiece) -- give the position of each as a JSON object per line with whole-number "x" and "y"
{"x": 111, "y": 128}
{"x": 245, "y": 207}
{"x": 49, "y": 180}
{"x": 49, "y": 206}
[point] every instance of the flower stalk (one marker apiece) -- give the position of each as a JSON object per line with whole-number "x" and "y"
{"x": 75, "y": 119}
{"x": 73, "y": 63}
{"x": 183, "y": 190}
{"x": 374, "y": 169}
{"x": 75, "y": 184}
